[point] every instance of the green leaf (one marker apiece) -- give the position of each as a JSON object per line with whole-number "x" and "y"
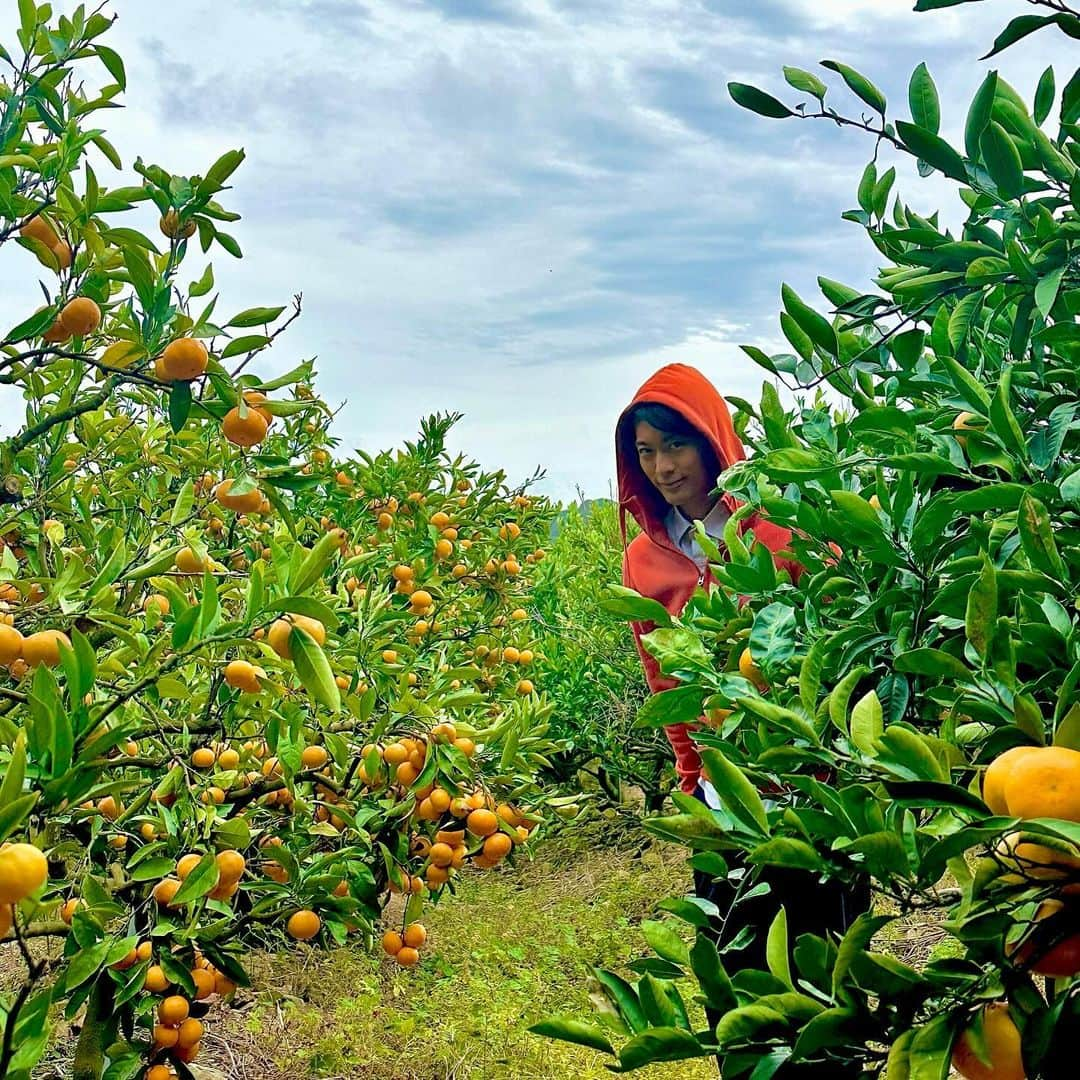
{"x": 257, "y": 316}
{"x": 660, "y": 1044}
{"x": 710, "y": 974}
{"x": 313, "y": 669}
{"x": 628, "y": 604}
{"x": 931, "y": 793}
{"x": 179, "y": 405}
{"x": 805, "y": 81}
{"x": 969, "y": 388}
{"x": 86, "y": 963}
{"x": 757, "y": 101}
{"x": 928, "y": 1055}
{"x": 300, "y": 605}
{"x": 902, "y": 747}
{"x": 1037, "y": 538}
{"x": 36, "y": 324}
{"x": 933, "y": 5}
{"x": 736, "y": 792}
{"x": 810, "y": 674}
{"x": 219, "y": 172}
{"x": 314, "y": 564}
{"x": 1002, "y": 419}
{"x": 199, "y": 882}
{"x": 776, "y": 948}
{"x": 980, "y": 620}
{"x": 679, "y": 705}
{"x": 11, "y": 788}
{"x": 625, "y": 999}
{"x": 114, "y": 64}
{"x": 185, "y": 500}
{"x": 856, "y": 941}
{"x": 931, "y": 662}
{"x": 573, "y": 1031}
{"x": 28, "y": 18}
{"x": 979, "y": 113}
{"x": 923, "y": 100}
{"x": 1044, "y": 96}
{"x": 859, "y": 85}
{"x": 677, "y": 650}
{"x": 788, "y": 852}
{"x": 1046, "y": 291}
{"x": 15, "y": 813}
{"x": 932, "y": 149}
{"x": 1066, "y": 734}
{"x": 867, "y": 724}
{"x": 204, "y": 284}
{"x": 249, "y": 343}
{"x": 1023, "y": 25}
{"x": 815, "y": 325}
{"x": 841, "y": 694}
{"x": 772, "y": 636}
{"x": 665, "y": 942}
{"x": 1002, "y": 160}
{"x": 961, "y": 319}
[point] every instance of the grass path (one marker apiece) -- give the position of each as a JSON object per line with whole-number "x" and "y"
{"x": 512, "y": 947}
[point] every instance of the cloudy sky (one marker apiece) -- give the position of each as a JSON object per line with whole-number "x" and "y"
{"x": 517, "y": 209}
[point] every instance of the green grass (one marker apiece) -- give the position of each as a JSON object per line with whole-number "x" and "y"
{"x": 513, "y": 947}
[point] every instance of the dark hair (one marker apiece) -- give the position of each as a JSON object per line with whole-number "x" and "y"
{"x": 670, "y": 423}
{"x": 666, "y": 420}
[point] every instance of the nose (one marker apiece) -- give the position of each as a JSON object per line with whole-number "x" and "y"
{"x": 665, "y": 464}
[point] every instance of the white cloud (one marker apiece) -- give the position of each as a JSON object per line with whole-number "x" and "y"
{"x": 516, "y": 208}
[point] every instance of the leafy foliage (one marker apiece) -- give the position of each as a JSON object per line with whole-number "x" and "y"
{"x": 591, "y": 668}
{"x": 249, "y": 683}
{"x": 929, "y": 471}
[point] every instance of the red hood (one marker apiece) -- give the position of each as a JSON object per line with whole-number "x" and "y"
{"x": 688, "y": 392}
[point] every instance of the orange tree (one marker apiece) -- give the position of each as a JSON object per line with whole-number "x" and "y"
{"x": 911, "y": 703}
{"x": 590, "y": 669}
{"x": 249, "y": 690}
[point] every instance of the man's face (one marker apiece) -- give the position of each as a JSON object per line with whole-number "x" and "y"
{"x": 673, "y": 465}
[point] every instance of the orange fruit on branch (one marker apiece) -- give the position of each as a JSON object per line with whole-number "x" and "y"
{"x": 497, "y": 846}
{"x": 171, "y": 226}
{"x": 314, "y": 757}
{"x": 303, "y": 925}
{"x": 80, "y": 316}
{"x": 1001, "y": 1039}
{"x": 183, "y": 360}
{"x": 997, "y": 772}
{"x": 23, "y": 869}
{"x": 159, "y": 602}
{"x": 749, "y": 670}
{"x": 242, "y": 675}
{"x": 173, "y": 1011}
{"x": 248, "y": 502}
{"x": 1044, "y": 783}
{"x": 188, "y": 562}
{"x": 278, "y": 635}
{"x": 11, "y": 644}
{"x": 244, "y": 430}
{"x": 44, "y": 647}
{"x": 40, "y": 228}
{"x": 482, "y": 822}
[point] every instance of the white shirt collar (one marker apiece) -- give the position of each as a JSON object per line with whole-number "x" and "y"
{"x": 678, "y": 524}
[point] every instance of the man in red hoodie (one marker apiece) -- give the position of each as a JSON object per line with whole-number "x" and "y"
{"x": 672, "y": 442}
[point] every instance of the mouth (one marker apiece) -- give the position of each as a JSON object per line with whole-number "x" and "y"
{"x": 673, "y": 486}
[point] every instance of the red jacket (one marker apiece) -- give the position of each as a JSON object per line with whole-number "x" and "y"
{"x": 652, "y": 564}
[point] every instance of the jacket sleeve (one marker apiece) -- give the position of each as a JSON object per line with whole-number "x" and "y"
{"x": 687, "y": 758}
